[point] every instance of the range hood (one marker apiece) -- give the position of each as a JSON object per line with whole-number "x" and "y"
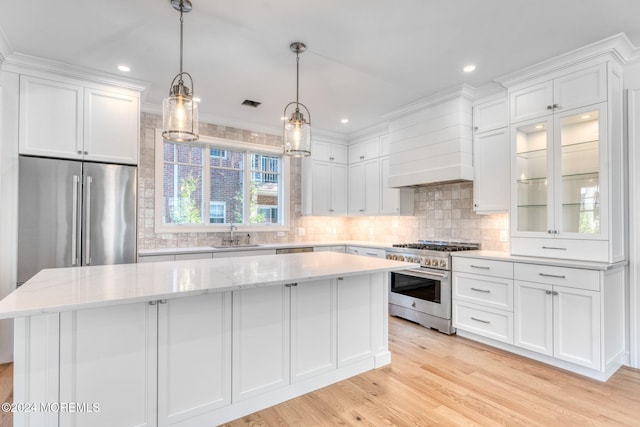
{"x": 431, "y": 141}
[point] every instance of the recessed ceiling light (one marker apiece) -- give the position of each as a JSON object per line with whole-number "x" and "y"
{"x": 344, "y": 121}
{"x": 469, "y": 68}
{"x": 585, "y": 117}
{"x": 124, "y": 68}
{"x": 283, "y": 118}
{"x": 196, "y": 99}
{"x": 539, "y": 126}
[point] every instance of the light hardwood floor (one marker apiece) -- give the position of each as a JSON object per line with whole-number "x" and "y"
{"x": 442, "y": 380}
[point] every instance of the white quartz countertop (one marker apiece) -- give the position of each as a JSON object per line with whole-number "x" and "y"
{"x": 505, "y": 256}
{"x": 216, "y": 249}
{"x": 75, "y": 288}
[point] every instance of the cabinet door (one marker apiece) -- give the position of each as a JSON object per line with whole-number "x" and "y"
{"x": 111, "y": 126}
{"x": 339, "y": 154}
{"x": 320, "y": 188}
{"x": 372, "y": 187}
{"x": 356, "y": 189}
{"x": 194, "y": 357}
{"x": 50, "y": 118}
{"x": 389, "y": 197}
{"x": 580, "y": 88}
{"x": 491, "y": 171}
{"x": 321, "y": 150}
{"x": 338, "y": 177}
{"x": 576, "y": 314}
{"x": 490, "y": 115}
{"x": 532, "y": 168}
{"x": 313, "y": 329}
{"x": 260, "y": 341}
{"x": 533, "y": 316}
{"x": 355, "y": 319}
{"x": 108, "y": 356}
{"x": 581, "y": 196}
{"x": 531, "y": 102}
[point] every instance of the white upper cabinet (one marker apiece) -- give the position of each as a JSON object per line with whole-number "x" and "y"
{"x": 111, "y": 126}
{"x": 329, "y": 152}
{"x": 364, "y": 188}
{"x": 491, "y": 171}
{"x": 491, "y": 114}
{"x": 364, "y": 150}
{"x": 324, "y": 188}
{"x": 50, "y": 118}
{"x": 572, "y": 90}
{"x": 567, "y": 170}
{"x": 73, "y": 120}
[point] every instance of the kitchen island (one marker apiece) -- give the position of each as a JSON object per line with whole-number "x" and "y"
{"x": 193, "y": 343}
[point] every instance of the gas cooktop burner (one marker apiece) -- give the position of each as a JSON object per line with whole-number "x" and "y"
{"x": 439, "y": 246}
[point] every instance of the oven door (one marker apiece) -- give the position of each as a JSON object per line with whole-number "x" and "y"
{"x": 423, "y": 289}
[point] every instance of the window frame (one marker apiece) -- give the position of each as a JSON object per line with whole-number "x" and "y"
{"x": 222, "y": 143}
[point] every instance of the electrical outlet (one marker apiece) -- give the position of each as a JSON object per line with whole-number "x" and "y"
{"x": 504, "y": 236}
{"x": 280, "y": 233}
{"x": 300, "y": 231}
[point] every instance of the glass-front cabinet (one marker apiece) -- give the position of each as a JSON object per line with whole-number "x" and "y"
{"x": 558, "y": 165}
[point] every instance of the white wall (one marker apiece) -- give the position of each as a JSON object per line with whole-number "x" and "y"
{"x": 632, "y": 84}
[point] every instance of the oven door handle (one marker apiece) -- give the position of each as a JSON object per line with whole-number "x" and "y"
{"x": 424, "y": 274}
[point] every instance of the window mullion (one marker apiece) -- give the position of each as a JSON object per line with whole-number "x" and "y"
{"x": 247, "y": 188}
{"x": 206, "y": 185}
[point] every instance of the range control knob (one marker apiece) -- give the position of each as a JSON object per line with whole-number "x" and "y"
{"x": 426, "y": 262}
{"x": 389, "y": 257}
{"x": 443, "y": 263}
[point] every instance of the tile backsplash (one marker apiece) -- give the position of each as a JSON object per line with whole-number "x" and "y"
{"x": 442, "y": 212}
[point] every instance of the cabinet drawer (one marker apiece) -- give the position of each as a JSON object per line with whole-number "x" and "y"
{"x": 563, "y": 276}
{"x": 484, "y": 290}
{"x": 580, "y": 250}
{"x": 485, "y": 321}
{"x": 362, "y": 251}
{"x": 483, "y": 266}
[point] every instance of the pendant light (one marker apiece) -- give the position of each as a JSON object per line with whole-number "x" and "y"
{"x": 297, "y": 131}
{"x": 179, "y": 111}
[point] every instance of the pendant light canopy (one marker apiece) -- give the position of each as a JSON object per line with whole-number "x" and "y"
{"x": 297, "y": 131}
{"x": 179, "y": 111}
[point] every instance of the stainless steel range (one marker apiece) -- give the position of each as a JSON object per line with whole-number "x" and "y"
{"x": 423, "y": 295}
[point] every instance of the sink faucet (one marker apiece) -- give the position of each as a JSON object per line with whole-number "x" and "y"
{"x": 231, "y": 230}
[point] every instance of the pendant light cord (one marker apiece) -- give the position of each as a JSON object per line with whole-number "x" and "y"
{"x": 297, "y": 79}
{"x": 181, "y": 25}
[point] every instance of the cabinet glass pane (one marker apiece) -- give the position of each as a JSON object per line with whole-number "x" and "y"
{"x": 580, "y": 169}
{"x": 531, "y": 176}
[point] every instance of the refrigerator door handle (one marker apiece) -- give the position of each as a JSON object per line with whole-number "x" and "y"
{"x": 87, "y": 226}
{"x": 75, "y": 258}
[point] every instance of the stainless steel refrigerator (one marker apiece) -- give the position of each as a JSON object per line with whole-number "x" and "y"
{"x": 74, "y": 213}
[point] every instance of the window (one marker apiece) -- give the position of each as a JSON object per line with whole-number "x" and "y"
{"x": 208, "y": 185}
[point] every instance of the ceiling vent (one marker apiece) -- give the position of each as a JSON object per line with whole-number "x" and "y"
{"x": 250, "y": 103}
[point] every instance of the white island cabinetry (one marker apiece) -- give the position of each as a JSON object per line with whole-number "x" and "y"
{"x": 197, "y": 342}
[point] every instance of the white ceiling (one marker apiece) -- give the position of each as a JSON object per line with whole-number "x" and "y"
{"x": 365, "y": 58}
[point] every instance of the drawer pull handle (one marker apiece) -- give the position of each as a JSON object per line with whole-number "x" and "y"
{"x": 553, "y": 275}
{"x": 482, "y": 267}
{"x": 487, "y": 291}
{"x": 480, "y": 320}
{"x": 553, "y": 247}
{"x": 289, "y": 285}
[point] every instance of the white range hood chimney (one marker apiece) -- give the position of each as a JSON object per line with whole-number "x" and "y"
{"x": 431, "y": 140}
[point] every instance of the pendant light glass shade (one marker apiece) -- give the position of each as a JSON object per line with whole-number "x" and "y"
{"x": 297, "y": 130}
{"x": 179, "y": 110}
{"x": 180, "y": 114}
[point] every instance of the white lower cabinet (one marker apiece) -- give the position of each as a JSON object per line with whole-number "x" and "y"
{"x": 567, "y": 316}
{"x": 558, "y": 321}
{"x": 260, "y": 341}
{"x": 108, "y": 357}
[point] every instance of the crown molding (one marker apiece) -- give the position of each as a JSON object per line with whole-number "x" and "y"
{"x": 618, "y": 46}
{"x": 368, "y": 132}
{"x": 465, "y": 91}
{"x": 21, "y": 63}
